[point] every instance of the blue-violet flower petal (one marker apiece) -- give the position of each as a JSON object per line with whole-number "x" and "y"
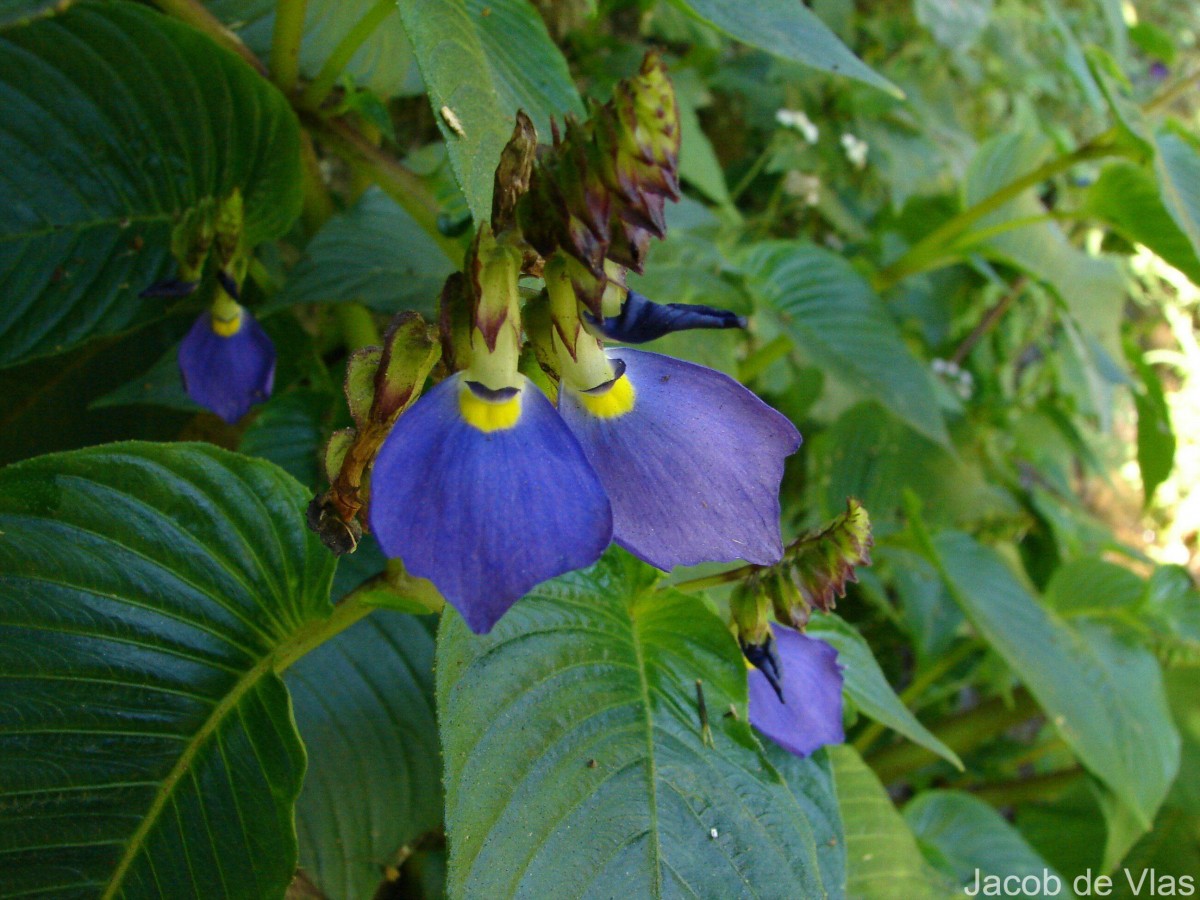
{"x": 227, "y": 367}
{"x": 486, "y": 494}
{"x": 691, "y": 461}
{"x": 810, "y": 713}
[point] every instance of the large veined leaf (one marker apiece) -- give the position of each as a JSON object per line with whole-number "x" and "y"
{"x": 810, "y": 779}
{"x": 373, "y": 254}
{"x": 148, "y": 596}
{"x": 576, "y": 761}
{"x": 867, "y": 687}
{"x": 482, "y": 60}
{"x": 838, "y": 321}
{"x": 883, "y": 861}
{"x": 972, "y": 841}
{"x": 291, "y": 431}
{"x": 788, "y": 29}
{"x": 1105, "y": 697}
{"x": 117, "y": 120}
{"x": 364, "y": 706}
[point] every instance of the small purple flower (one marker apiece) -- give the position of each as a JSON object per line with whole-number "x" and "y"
{"x": 486, "y": 493}
{"x": 799, "y": 707}
{"x": 691, "y": 460}
{"x": 228, "y": 362}
{"x": 1159, "y": 70}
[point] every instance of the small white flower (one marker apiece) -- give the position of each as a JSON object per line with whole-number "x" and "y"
{"x": 806, "y": 187}
{"x": 856, "y": 150}
{"x": 796, "y": 119}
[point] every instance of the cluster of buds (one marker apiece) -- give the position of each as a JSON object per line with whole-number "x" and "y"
{"x": 813, "y": 574}
{"x": 381, "y": 383}
{"x": 599, "y": 193}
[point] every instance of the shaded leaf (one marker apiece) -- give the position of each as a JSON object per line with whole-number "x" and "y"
{"x": 117, "y": 120}
{"x": 1104, "y": 696}
{"x": 1177, "y": 166}
{"x": 786, "y": 29}
{"x": 867, "y": 686}
{"x": 364, "y": 707}
{"x": 837, "y": 320}
{"x": 290, "y": 431}
{"x": 883, "y": 861}
{"x": 373, "y": 254}
{"x": 974, "y": 841}
{"x": 147, "y": 595}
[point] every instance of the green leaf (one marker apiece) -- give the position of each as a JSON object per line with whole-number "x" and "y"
{"x": 373, "y": 254}
{"x": 290, "y": 431}
{"x": 1178, "y": 168}
{"x": 22, "y": 12}
{"x": 149, "y": 594}
{"x": 787, "y": 29}
{"x": 867, "y": 686}
{"x": 1155, "y": 436}
{"x": 810, "y": 779}
{"x": 1093, "y": 586}
{"x": 117, "y": 120}
{"x": 869, "y": 455}
{"x": 835, "y": 318}
{"x": 1105, "y": 697}
{"x": 1127, "y": 197}
{"x": 364, "y": 706}
{"x": 482, "y": 60}
{"x": 1091, "y": 289}
{"x": 698, "y": 163}
{"x": 575, "y": 762}
{"x": 48, "y": 404}
{"x": 970, "y": 837}
{"x": 883, "y": 861}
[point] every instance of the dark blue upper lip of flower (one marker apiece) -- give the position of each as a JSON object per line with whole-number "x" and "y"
{"x": 486, "y": 515}
{"x": 807, "y": 714}
{"x": 227, "y": 375}
{"x": 641, "y": 320}
{"x": 693, "y": 468}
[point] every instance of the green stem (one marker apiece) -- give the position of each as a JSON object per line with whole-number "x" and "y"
{"x": 961, "y": 733}
{"x": 1023, "y": 790}
{"x": 926, "y": 253}
{"x": 695, "y": 585}
{"x": 320, "y": 87}
{"x": 755, "y": 168}
{"x": 921, "y": 683}
{"x": 402, "y": 185}
{"x": 197, "y": 15}
{"x": 285, "y": 44}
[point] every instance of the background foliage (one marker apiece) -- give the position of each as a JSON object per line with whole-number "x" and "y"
{"x": 972, "y": 271}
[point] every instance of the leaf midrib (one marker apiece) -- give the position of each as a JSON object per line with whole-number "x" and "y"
{"x": 304, "y": 638}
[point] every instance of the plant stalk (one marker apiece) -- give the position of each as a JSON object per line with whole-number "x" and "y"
{"x": 285, "y": 44}
{"x": 318, "y": 90}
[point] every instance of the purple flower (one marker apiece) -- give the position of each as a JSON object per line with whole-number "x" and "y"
{"x": 796, "y": 700}
{"x": 691, "y": 460}
{"x": 486, "y": 493}
{"x": 1159, "y": 70}
{"x": 227, "y": 362}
